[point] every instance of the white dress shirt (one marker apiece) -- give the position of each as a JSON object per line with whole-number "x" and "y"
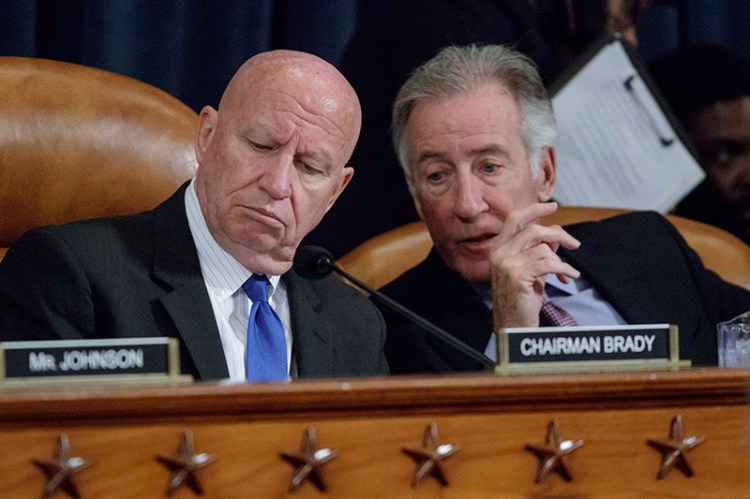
{"x": 224, "y": 277}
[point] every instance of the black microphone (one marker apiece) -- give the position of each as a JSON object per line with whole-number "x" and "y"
{"x": 314, "y": 262}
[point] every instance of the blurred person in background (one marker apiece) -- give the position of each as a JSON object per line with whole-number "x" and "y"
{"x": 708, "y": 88}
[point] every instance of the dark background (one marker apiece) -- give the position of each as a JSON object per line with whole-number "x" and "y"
{"x": 190, "y": 48}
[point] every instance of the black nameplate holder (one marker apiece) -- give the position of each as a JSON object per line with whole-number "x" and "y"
{"x": 118, "y": 360}
{"x": 588, "y": 348}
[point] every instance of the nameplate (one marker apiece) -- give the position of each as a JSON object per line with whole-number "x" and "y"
{"x": 84, "y": 360}
{"x": 584, "y": 348}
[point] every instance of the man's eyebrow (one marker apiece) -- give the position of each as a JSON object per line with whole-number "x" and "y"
{"x": 737, "y": 142}
{"x": 427, "y": 155}
{"x": 489, "y": 149}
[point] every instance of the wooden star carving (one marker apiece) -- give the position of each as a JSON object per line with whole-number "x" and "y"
{"x": 674, "y": 451}
{"x": 61, "y": 468}
{"x": 430, "y": 457}
{"x": 309, "y": 462}
{"x": 184, "y": 465}
{"x": 553, "y": 454}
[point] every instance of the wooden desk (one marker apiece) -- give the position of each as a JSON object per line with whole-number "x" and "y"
{"x": 122, "y": 430}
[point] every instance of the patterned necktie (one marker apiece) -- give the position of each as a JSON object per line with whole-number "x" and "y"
{"x": 265, "y": 353}
{"x": 553, "y": 316}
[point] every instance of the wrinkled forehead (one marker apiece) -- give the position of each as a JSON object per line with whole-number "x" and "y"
{"x": 486, "y": 109}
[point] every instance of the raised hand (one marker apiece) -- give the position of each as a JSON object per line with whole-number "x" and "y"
{"x": 524, "y": 253}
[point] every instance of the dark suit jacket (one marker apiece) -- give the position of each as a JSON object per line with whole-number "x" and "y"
{"x": 639, "y": 263}
{"x": 139, "y": 276}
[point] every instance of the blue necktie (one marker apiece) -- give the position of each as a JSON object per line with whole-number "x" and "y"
{"x": 265, "y": 353}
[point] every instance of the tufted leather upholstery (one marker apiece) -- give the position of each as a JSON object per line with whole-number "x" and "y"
{"x": 78, "y": 142}
{"x": 381, "y": 259}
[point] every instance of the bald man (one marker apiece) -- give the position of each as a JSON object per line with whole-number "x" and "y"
{"x": 271, "y": 162}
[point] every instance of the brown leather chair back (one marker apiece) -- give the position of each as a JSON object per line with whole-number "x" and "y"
{"x": 381, "y": 259}
{"x": 78, "y": 142}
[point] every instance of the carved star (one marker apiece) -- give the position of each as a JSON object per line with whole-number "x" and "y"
{"x": 552, "y": 455}
{"x": 184, "y": 465}
{"x": 674, "y": 451}
{"x": 430, "y": 457}
{"x": 308, "y": 463}
{"x": 61, "y": 468}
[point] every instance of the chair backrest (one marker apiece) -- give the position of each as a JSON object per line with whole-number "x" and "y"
{"x": 78, "y": 142}
{"x": 381, "y": 259}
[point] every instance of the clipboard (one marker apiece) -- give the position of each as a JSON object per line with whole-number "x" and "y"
{"x": 619, "y": 145}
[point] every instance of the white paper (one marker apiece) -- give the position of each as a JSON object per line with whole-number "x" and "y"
{"x": 615, "y": 146}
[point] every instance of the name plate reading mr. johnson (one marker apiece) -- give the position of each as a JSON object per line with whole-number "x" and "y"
{"x": 584, "y": 348}
{"x": 122, "y": 359}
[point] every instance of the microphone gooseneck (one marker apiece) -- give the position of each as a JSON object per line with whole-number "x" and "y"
{"x": 314, "y": 262}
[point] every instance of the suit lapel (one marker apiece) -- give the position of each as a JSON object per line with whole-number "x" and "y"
{"x": 606, "y": 259}
{"x": 176, "y": 264}
{"x": 472, "y": 325}
{"x": 313, "y": 345}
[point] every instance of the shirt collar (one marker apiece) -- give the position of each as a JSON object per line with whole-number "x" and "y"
{"x": 573, "y": 287}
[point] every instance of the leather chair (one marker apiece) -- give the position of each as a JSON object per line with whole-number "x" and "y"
{"x": 79, "y": 142}
{"x": 381, "y": 259}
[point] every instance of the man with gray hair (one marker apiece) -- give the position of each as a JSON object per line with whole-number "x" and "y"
{"x": 474, "y": 132}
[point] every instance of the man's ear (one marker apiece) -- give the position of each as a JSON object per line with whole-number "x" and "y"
{"x": 346, "y": 176}
{"x": 547, "y": 174}
{"x": 206, "y": 129}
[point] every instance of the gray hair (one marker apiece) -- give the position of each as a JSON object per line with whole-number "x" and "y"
{"x": 460, "y": 70}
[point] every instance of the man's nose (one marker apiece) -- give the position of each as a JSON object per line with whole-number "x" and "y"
{"x": 277, "y": 176}
{"x": 469, "y": 197}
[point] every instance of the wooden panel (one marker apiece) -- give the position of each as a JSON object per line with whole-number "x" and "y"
{"x": 369, "y": 422}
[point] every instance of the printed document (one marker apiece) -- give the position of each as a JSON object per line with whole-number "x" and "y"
{"x": 617, "y": 146}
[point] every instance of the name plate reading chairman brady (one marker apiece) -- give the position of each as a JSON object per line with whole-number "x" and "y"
{"x": 588, "y": 347}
